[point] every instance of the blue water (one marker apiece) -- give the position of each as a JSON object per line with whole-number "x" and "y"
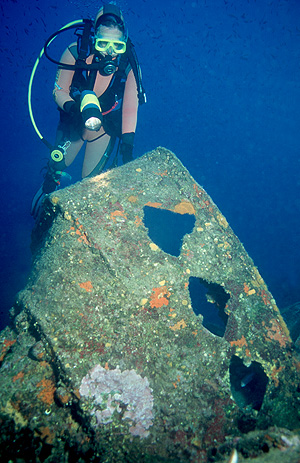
{"x": 223, "y": 86}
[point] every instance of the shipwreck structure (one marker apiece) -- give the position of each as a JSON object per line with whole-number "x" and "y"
{"x": 145, "y": 332}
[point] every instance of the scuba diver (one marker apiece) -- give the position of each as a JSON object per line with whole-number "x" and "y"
{"x": 97, "y": 89}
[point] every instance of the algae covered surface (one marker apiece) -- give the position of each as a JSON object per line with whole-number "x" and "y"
{"x": 107, "y": 354}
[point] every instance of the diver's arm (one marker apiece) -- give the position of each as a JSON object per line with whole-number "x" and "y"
{"x": 130, "y": 105}
{"x": 63, "y": 81}
{"x": 129, "y": 117}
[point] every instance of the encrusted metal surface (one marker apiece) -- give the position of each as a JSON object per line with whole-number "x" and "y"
{"x": 105, "y": 303}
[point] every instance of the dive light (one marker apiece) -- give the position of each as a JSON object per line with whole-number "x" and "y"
{"x": 90, "y": 110}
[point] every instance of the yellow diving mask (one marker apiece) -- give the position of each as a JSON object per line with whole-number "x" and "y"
{"x": 102, "y": 45}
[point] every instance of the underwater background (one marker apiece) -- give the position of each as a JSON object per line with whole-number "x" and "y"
{"x": 223, "y": 86}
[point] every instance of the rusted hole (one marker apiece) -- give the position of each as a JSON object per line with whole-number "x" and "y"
{"x": 248, "y": 384}
{"x": 167, "y": 229}
{"x": 209, "y": 300}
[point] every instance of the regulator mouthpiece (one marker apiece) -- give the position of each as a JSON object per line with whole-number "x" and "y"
{"x": 90, "y": 110}
{"x": 107, "y": 65}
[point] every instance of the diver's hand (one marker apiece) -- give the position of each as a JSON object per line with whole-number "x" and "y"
{"x": 126, "y": 152}
{"x": 71, "y": 107}
{"x": 127, "y": 147}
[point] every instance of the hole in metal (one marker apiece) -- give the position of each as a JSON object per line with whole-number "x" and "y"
{"x": 167, "y": 229}
{"x": 248, "y": 384}
{"x": 209, "y": 300}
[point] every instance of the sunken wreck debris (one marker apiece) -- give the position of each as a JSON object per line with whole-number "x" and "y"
{"x": 145, "y": 330}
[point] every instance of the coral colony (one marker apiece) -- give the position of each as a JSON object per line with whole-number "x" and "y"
{"x": 112, "y": 390}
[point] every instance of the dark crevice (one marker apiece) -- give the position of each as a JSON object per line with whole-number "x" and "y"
{"x": 209, "y": 300}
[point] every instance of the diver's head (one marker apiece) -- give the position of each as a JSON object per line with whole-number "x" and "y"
{"x": 110, "y": 31}
{"x": 112, "y": 16}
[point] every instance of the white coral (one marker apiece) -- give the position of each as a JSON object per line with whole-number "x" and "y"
{"x": 113, "y": 391}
